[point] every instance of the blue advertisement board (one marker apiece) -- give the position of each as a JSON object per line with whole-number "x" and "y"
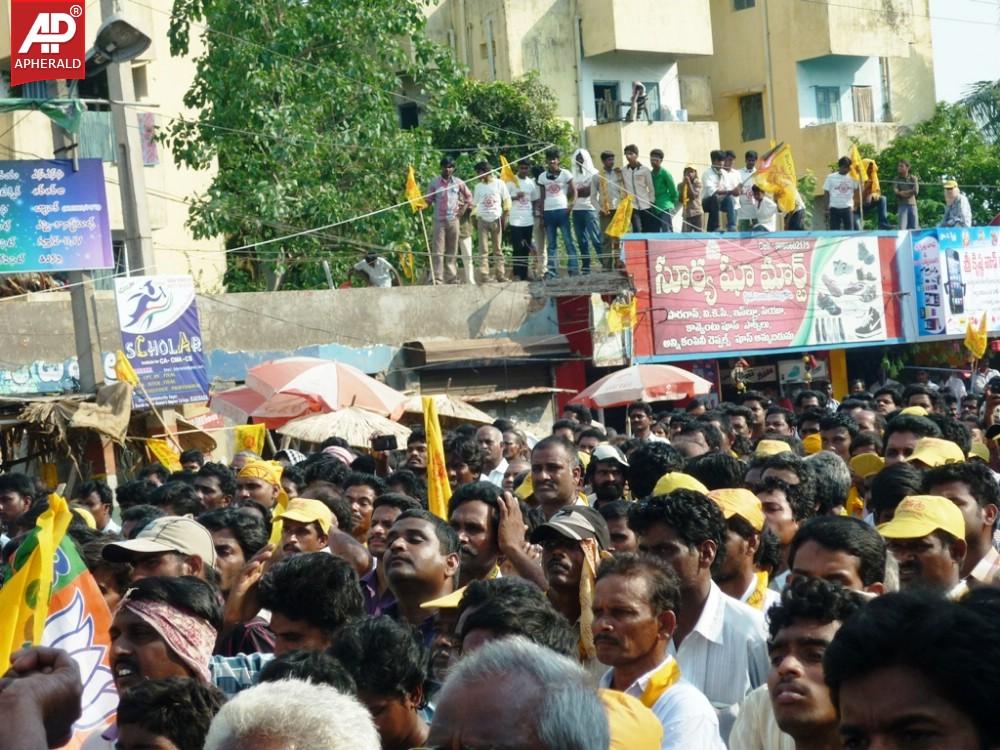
{"x": 161, "y": 337}
{"x": 53, "y": 218}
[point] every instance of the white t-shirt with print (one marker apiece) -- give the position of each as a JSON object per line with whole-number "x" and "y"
{"x": 841, "y": 188}
{"x": 555, "y": 189}
{"x": 521, "y": 209}
{"x": 489, "y": 198}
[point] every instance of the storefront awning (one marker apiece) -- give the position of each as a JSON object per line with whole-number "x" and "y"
{"x": 443, "y": 351}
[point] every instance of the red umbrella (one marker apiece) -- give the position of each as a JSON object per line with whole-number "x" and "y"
{"x": 642, "y": 383}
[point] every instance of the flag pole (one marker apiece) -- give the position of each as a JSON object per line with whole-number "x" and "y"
{"x": 427, "y": 244}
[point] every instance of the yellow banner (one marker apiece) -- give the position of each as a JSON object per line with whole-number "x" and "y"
{"x": 413, "y": 194}
{"x": 621, "y": 316}
{"x": 438, "y": 487}
{"x": 250, "y": 437}
{"x": 776, "y": 176}
{"x": 165, "y": 453}
{"x": 621, "y": 222}
{"x": 976, "y": 339}
{"x": 24, "y": 599}
{"x": 124, "y": 370}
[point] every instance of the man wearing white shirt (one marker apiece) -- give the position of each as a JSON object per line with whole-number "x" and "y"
{"x": 715, "y": 197}
{"x": 983, "y": 375}
{"x": 377, "y": 272}
{"x": 764, "y": 209}
{"x": 491, "y": 202}
{"x": 558, "y": 190}
{"x": 635, "y": 602}
{"x": 735, "y": 187}
{"x": 745, "y": 216}
{"x": 490, "y": 439}
{"x": 720, "y": 643}
{"x": 524, "y": 209}
{"x": 839, "y": 189}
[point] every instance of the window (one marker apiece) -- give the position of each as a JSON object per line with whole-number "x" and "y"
{"x": 409, "y": 116}
{"x": 653, "y": 100}
{"x": 606, "y": 101}
{"x": 828, "y": 104}
{"x": 743, "y": 4}
{"x": 864, "y": 108}
{"x": 752, "y": 117}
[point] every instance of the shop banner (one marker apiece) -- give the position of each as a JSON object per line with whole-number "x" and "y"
{"x": 52, "y": 218}
{"x": 758, "y": 293}
{"x": 161, "y": 337}
{"x": 957, "y": 277}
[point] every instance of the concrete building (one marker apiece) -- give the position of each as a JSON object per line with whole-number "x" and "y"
{"x": 160, "y": 82}
{"x": 816, "y": 74}
{"x": 589, "y": 52}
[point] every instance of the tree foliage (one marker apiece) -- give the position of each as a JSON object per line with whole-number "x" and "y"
{"x": 948, "y": 145}
{"x": 296, "y": 104}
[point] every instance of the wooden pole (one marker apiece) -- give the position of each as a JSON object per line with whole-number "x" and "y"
{"x": 427, "y": 244}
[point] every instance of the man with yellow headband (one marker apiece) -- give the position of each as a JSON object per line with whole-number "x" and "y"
{"x": 260, "y": 481}
{"x": 635, "y": 600}
{"x": 737, "y": 575}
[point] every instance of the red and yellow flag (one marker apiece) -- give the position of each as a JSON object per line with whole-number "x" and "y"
{"x": 775, "y": 175}
{"x": 413, "y": 194}
{"x": 438, "y": 487}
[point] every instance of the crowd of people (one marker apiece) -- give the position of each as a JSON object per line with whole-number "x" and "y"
{"x": 750, "y": 574}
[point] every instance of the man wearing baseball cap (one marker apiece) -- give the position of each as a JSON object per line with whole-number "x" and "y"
{"x": 606, "y": 475}
{"x": 573, "y": 542}
{"x": 305, "y": 526}
{"x": 169, "y": 546}
{"x": 927, "y": 538}
{"x": 931, "y": 452}
{"x": 738, "y": 576}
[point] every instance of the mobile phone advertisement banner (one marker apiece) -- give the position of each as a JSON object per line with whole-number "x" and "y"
{"x": 956, "y": 277}
{"x": 161, "y": 337}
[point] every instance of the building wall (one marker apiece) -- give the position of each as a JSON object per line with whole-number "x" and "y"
{"x": 161, "y": 83}
{"x": 623, "y": 69}
{"x": 843, "y": 72}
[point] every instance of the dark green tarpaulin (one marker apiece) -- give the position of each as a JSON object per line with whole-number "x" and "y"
{"x": 67, "y": 113}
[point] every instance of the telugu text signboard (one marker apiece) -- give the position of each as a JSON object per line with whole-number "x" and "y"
{"x": 957, "y": 277}
{"x": 758, "y": 293}
{"x": 161, "y": 337}
{"x": 52, "y": 218}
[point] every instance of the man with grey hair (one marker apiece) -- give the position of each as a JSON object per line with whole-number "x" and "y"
{"x": 515, "y": 694}
{"x": 490, "y": 439}
{"x": 292, "y": 714}
{"x": 832, "y": 481}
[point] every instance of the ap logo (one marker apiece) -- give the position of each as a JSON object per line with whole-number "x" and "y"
{"x": 47, "y": 40}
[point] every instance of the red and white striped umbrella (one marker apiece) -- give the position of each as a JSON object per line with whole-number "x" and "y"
{"x": 642, "y": 383}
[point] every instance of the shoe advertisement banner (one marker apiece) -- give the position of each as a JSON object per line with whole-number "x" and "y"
{"x": 956, "y": 277}
{"x": 750, "y": 294}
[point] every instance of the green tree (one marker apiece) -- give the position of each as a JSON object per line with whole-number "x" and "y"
{"x": 297, "y": 105}
{"x": 483, "y": 119}
{"x": 948, "y": 145}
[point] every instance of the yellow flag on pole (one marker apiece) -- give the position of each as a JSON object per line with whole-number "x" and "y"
{"x": 413, "y": 194}
{"x": 776, "y": 176}
{"x": 124, "y": 370}
{"x": 438, "y": 488}
{"x": 857, "y": 165}
{"x": 250, "y": 437}
{"x": 621, "y": 316}
{"x": 506, "y": 173}
{"x": 621, "y": 222}
{"x": 24, "y": 598}
{"x": 165, "y": 453}
{"x": 976, "y": 339}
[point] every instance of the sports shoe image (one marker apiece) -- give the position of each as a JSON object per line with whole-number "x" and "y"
{"x": 832, "y": 286}
{"x": 825, "y": 302}
{"x": 871, "y": 325}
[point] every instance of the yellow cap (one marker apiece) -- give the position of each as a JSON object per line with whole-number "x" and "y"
{"x": 914, "y": 411}
{"x": 934, "y": 452}
{"x": 950, "y": 184}
{"x": 631, "y": 725}
{"x": 979, "y": 450}
{"x": 772, "y": 448}
{"x": 867, "y": 464}
{"x": 305, "y": 510}
{"x": 810, "y": 443}
{"x": 448, "y": 601}
{"x": 85, "y": 515}
{"x": 742, "y": 503}
{"x": 920, "y": 515}
{"x": 525, "y": 489}
{"x": 675, "y": 480}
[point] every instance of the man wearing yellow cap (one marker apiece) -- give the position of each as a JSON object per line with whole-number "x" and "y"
{"x": 927, "y": 538}
{"x": 635, "y": 600}
{"x": 305, "y": 526}
{"x": 930, "y": 452}
{"x": 737, "y": 576}
{"x": 902, "y": 433}
{"x": 958, "y": 213}
{"x": 260, "y": 481}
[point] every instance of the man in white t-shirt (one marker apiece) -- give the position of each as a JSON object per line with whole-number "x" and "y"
{"x": 731, "y": 179}
{"x": 524, "y": 207}
{"x": 491, "y": 202}
{"x": 715, "y": 196}
{"x": 376, "y": 271}
{"x": 558, "y": 189}
{"x": 764, "y": 210}
{"x": 745, "y": 214}
{"x": 839, "y": 189}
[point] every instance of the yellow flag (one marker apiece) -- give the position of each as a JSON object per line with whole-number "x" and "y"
{"x": 165, "y": 453}
{"x": 621, "y": 316}
{"x": 24, "y": 598}
{"x": 250, "y": 437}
{"x": 871, "y": 169}
{"x": 857, "y": 165}
{"x": 413, "y": 194}
{"x": 621, "y": 222}
{"x": 506, "y": 173}
{"x": 775, "y": 175}
{"x": 124, "y": 370}
{"x": 438, "y": 488}
{"x": 975, "y": 340}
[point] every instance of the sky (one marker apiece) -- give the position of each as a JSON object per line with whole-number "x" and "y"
{"x": 966, "y": 38}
